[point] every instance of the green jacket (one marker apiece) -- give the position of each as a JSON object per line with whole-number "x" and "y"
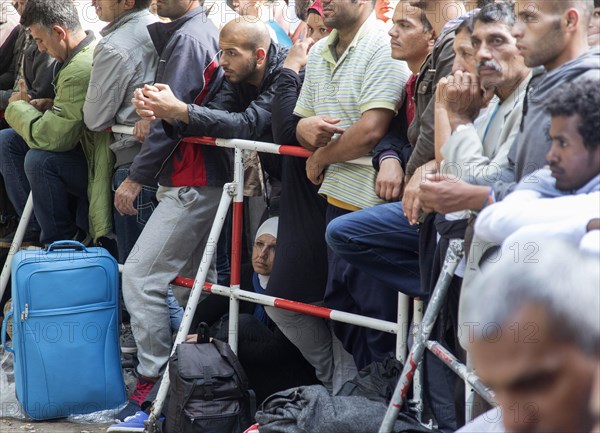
{"x": 61, "y": 129}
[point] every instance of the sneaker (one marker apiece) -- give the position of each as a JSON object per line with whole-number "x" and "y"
{"x": 142, "y": 388}
{"x": 252, "y": 429}
{"x": 128, "y": 411}
{"x": 132, "y": 423}
{"x": 127, "y": 341}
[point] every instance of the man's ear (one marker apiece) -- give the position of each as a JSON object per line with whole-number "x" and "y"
{"x": 572, "y": 19}
{"x": 431, "y": 41}
{"x": 61, "y": 31}
{"x": 261, "y": 56}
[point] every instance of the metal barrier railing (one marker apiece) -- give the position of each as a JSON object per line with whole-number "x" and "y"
{"x": 233, "y": 194}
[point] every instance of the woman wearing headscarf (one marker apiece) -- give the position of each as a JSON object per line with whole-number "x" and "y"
{"x": 270, "y": 361}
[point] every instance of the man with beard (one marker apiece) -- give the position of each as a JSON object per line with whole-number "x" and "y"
{"x": 242, "y": 109}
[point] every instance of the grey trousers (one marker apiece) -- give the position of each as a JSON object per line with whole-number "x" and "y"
{"x": 171, "y": 244}
{"x": 318, "y": 344}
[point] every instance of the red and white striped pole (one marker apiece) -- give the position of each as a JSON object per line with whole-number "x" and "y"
{"x": 261, "y": 146}
{"x": 236, "y": 247}
{"x": 298, "y": 307}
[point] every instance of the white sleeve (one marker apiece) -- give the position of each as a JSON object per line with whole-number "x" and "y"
{"x": 590, "y": 243}
{"x": 524, "y": 208}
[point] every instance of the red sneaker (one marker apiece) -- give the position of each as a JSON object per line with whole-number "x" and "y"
{"x": 142, "y": 388}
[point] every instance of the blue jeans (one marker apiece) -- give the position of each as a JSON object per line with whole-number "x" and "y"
{"x": 175, "y": 310}
{"x": 129, "y": 227}
{"x": 381, "y": 243}
{"x": 57, "y": 180}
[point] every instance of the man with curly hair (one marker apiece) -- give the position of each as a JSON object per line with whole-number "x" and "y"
{"x": 561, "y": 199}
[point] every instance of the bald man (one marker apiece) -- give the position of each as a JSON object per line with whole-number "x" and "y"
{"x": 251, "y": 63}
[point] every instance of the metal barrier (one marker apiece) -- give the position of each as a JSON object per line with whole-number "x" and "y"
{"x": 233, "y": 193}
{"x": 421, "y": 331}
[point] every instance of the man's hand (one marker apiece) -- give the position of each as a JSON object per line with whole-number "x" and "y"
{"x": 462, "y": 97}
{"x": 298, "y": 55}
{"x": 141, "y": 129}
{"x": 159, "y": 102}
{"x": 593, "y": 224}
{"x": 125, "y": 196}
{"x": 390, "y": 180}
{"x": 445, "y": 194}
{"x": 21, "y": 94}
{"x": 42, "y": 104}
{"x": 411, "y": 202}
{"x": 317, "y": 131}
{"x": 315, "y": 170}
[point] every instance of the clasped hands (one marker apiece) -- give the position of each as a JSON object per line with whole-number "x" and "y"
{"x": 158, "y": 102}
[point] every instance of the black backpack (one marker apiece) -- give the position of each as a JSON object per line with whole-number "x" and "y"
{"x": 209, "y": 389}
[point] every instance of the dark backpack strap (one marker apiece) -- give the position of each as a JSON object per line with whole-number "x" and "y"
{"x": 208, "y": 383}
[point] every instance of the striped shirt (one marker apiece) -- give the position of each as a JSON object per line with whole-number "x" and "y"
{"x": 365, "y": 77}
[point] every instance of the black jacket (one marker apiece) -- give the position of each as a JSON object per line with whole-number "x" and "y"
{"x": 421, "y": 131}
{"x": 238, "y": 110}
{"x": 38, "y": 73}
{"x": 8, "y": 60}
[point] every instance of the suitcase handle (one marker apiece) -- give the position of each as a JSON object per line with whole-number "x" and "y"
{"x": 66, "y": 245}
{"x": 4, "y": 324}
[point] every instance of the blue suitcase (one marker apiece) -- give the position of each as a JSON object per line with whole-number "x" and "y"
{"x": 65, "y": 331}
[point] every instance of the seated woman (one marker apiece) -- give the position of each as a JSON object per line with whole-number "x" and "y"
{"x": 271, "y": 362}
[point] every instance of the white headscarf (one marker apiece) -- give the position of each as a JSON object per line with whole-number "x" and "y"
{"x": 269, "y": 227}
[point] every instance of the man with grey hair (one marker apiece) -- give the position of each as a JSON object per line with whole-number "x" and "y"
{"x": 534, "y": 337}
{"x": 49, "y": 150}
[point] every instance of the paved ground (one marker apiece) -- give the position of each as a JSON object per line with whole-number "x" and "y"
{"x": 16, "y": 426}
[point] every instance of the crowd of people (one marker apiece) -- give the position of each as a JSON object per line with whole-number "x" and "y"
{"x": 481, "y": 123}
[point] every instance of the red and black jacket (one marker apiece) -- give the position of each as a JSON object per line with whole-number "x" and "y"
{"x": 188, "y": 49}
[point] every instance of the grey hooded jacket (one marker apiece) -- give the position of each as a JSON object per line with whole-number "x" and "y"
{"x": 528, "y": 152}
